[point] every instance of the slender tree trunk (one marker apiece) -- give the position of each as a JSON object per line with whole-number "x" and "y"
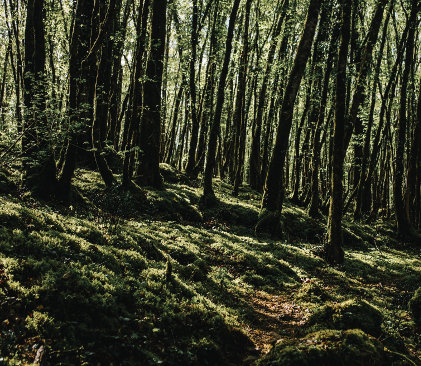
{"x": 362, "y": 202}
{"x": 298, "y": 156}
{"x": 359, "y": 94}
{"x": 208, "y": 193}
{"x": 134, "y": 114}
{"x": 173, "y": 130}
{"x": 313, "y": 208}
{"x": 195, "y": 121}
{"x": 101, "y": 110}
{"x": 414, "y": 171}
{"x": 150, "y": 131}
{"x": 255, "y": 161}
{"x": 333, "y": 251}
{"x": 274, "y": 189}
{"x": 79, "y": 93}
{"x": 405, "y": 228}
{"x": 39, "y": 164}
{"x": 240, "y": 106}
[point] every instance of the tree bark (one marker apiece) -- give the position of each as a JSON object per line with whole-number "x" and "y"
{"x": 150, "y": 132}
{"x": 38, "y": 162}
{"x": 405, "y": 228}
{"x": 274, "y": 188}
{"x": 255, "y": 161}
{"x": 195, "y": 121}
{"x": 208, "y": 193}
{"x": 333, "y": 251}
{"x": 240, "y": 106}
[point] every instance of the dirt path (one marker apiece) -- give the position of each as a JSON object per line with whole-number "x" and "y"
{"x": 276, "y": 317}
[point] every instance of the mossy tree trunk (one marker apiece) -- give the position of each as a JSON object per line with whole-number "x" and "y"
{"x": 150, "y": 130}
{"x": 239, "y": 119}
{"x": 413, "y": 203}
{"x": 208, "y": 193}
{"x": 116, "y": 107}
{"x": 274, "y": 188}
{"x": 384, "y": 115}
{"x": 39, "y": 164}
{"x": 314, "y": 205}
{"x": 255, "y": 158}
{"x": 405, "y": 228}
{"x": 354, "y": 122}
{"x": 193, "y": 107}
{"x": 80, "y": 96}
{"x": 103, "y": 96}
{"x": 363, "y": 195}
{"x": 134, "y": 112}
{"x": 333, "y": 251}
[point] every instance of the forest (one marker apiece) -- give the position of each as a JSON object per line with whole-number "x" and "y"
{"x": 210, "y": 182}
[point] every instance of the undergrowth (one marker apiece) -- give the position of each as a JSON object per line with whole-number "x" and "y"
{"x": 146, "y": 277}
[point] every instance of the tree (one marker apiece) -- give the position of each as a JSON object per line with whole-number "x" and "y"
{"x": 195, "y": 121}
{"x": 240, "y": 106}
{"x": 150, "y": 131}
{"x": 255, "y": 162}
{"x": 405, "y": 228}
{"x": 333, "y": 251}
{"x": 39, "y": 163}
{"x": 80, "y": 90}
{"x": 208, "y": 193}
{"x": 274, "y": 188}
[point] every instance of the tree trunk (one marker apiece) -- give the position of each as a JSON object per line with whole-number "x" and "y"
{"x": 79, "y": 93}
{"x": 333, "y": 251}
{"x": 255, "y": 161}
{"x": 195, "y": 121}
{"x": 405, "y": 228}
{"x": 150, "y": 132}
{"x": 240, "y": 107}
{"x": 313, "y": 208}
{"x": 38, "y": 162}
{"x": 208, "y": 193}
{"x": 274, "y": 189}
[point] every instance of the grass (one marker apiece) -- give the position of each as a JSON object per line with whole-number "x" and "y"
{"x": 89, "y": 282}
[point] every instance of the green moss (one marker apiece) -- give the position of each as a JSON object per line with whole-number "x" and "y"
{"x": 93, "y": 276}
{"x": 350, "y": 314}
{"x": 415, "y": 307}
{"x": 312, "y": 291}
{"x": 7, "y": 185}
{"x": 328, "y": 348}
{"x": 269, "y": 222}
{"x": 172, "y": 175}
{"x": 298, "y": 226}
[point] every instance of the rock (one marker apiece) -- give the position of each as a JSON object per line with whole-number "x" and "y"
{"x": 328, "y": 348}
{"x": 350, "y": 314}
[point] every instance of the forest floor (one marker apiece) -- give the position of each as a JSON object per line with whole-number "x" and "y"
{"x": 150, "y": 278}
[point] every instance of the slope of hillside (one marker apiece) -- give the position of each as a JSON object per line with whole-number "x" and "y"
{"x": 149, "y": 278}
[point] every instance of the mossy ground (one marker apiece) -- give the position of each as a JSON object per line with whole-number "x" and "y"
{"x": 88, "y": 282}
